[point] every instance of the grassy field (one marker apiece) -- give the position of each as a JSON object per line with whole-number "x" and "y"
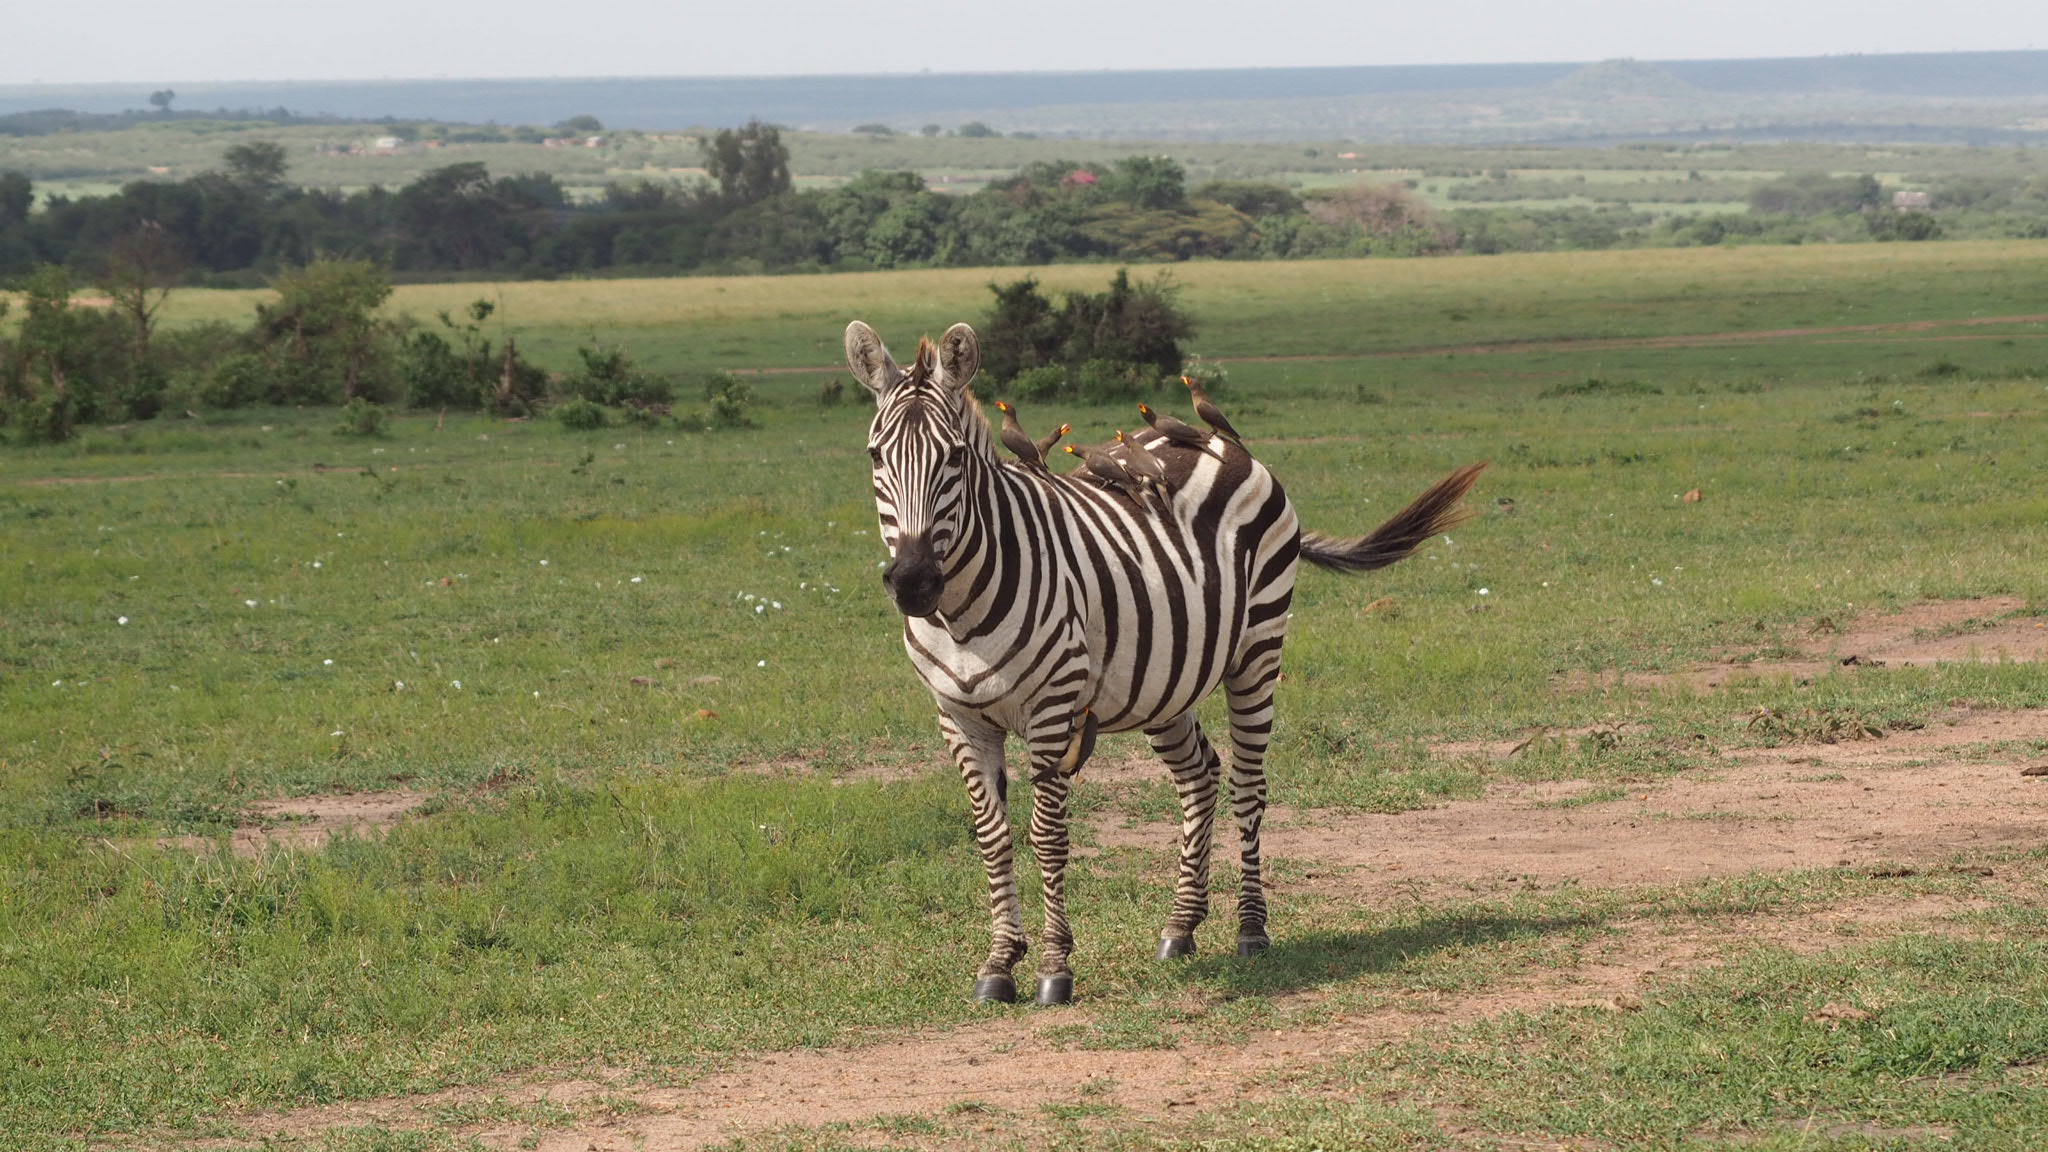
{"x": 684, "y": 795}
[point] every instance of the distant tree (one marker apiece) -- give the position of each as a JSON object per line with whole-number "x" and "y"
{"x": 259, "y": 166}
{"x": 141, "y": 268}
{"x": 1251, "y": 197}
{"x": 1391, "y": 217}
{"x": 1149, "y": 182}
{"x": 749, "y": 164}
{"x": 17, "y": 196}
{"x": 874, "y": 130}
{"x": 1816, "y": 193}
{"x": 582, "y": 125}
{"x": 162, "y": 98}
{"x": 930, "y": 130}
{"x": 976, "y": 129}
{"x": 324, "y": 329}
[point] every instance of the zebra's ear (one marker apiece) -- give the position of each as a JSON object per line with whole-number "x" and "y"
{"x": 871, "y": 363}
{"x": 959, "y": 356}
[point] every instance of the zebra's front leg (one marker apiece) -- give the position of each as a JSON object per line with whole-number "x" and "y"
{"x": 1196, "y": 772}
{"x": 978, "y": 749}
{"x": 1049, "y": 791}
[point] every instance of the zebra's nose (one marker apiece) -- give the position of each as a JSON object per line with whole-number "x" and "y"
{"x": 913, "y": 578}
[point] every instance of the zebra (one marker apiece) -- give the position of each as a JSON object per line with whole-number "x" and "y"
{"x": 1042, "y": 605}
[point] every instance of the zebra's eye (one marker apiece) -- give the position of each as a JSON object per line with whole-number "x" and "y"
{"x": 875, "y": 454}
{"x": 956, "y": 455}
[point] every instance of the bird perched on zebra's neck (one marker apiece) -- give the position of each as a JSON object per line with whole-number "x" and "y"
{"x": 1018, "y": 441}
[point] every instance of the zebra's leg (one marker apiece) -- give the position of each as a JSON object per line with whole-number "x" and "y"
{"x": 978, "y": 749}
{"x": 1049, "y": 791}
{"x": 1250, "y": 692}
{"x": 1196, "y": 771}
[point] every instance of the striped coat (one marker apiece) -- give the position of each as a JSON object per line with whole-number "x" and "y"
{"x": 1051, "y": 606}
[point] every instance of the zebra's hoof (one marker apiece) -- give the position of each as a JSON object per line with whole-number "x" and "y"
{"x": 995, "y": 990}
{"x": 1055, "y": 990}
{"x": 1253, "y": 945}
{"x": 1175, "y": 947}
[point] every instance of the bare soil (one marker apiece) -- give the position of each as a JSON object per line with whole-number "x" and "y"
{"x": 1946, "y": 797}
{"x": 1922, "y": 635}
{"x": 307, "y": 822}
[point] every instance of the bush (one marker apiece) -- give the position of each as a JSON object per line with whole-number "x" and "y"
{"x": 831, "y": 392}
{"x": 729, "y": 396}
{"x": 1046, "y": 383}
{"x": 434, "y": 375}
{"x": 236, "y": 381}
{"x": 581, "y": 415}
{"x": 609, "y": 376}
{"x": 360, "y": 417}
{"x": 1109, "y": 381}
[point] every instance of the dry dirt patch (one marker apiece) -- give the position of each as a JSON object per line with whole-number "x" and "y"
{"x": 1925, "y": 634}
{"x": 1001, "y": 1074}
{"x": 311, "y": 821}
{"x": 1903, "y": 801}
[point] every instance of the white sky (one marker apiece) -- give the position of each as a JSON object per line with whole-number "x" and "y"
{"x": 130, "y": 41}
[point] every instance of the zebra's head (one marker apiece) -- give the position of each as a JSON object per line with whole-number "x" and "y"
{"x": 927, "y": 437}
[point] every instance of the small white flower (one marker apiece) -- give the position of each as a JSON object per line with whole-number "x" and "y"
{"x": 760, "y": 608}
{"x": 56, "y": 683}
{"x": 121, "y": 620}
{"x": 250, "y": 603}
{"x": 543, "y": 563}
{"x": 536, "y": 695}
{"x": 636, "y": 579}
{"x": 618, "y": 447}
{"x": 134, "y": 578}
{"x": 455, "y": 684}
{"x": 336, "y": 732}
{"x": 1486, "y": 591}
{"x": 327, "y": 663}
{"x": 775, "y": 604}
{"x": 316, "y": 564}
{"x": 1657, "y": 580}
{"x": 760, "y": 663}
{"x": 398, "y": 686}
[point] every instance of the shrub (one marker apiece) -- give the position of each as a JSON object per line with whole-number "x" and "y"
{"x": 609, "y": 376}
{"x": 360, "y": 417}
{"x": 235, "y": 381}
{"x": 1599, "y": 386}
{"x": 1045, "y": 383}
{"x": 831, "y": 392}
{"x": 729, "y": 396}
{"x": 581, "y": 415}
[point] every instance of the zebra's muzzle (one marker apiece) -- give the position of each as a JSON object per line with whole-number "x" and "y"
{"x": 913, "y": 579}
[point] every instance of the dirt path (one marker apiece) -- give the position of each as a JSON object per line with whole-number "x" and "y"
{"x": 1926, "y": 800}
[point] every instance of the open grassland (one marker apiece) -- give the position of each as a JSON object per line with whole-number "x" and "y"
{"x": 677, "y": 801}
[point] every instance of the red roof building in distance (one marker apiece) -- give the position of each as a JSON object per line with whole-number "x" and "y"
{"x": 1079, "y": 176}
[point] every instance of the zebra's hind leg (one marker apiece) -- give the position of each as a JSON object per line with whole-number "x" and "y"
{"x": 1250, "y": 691}
{"x": 1196, "y": 772}
{"x": 978, "y": 749}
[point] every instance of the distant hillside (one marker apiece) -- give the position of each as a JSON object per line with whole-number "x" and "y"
{"x": 1982, "y": 97}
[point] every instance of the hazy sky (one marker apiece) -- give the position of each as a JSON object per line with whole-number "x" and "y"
{"x": 130, "y": 41}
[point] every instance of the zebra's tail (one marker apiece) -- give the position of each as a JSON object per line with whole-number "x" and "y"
{"x": 1437, "y": 510}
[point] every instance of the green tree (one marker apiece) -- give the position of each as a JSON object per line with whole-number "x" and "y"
{"x": 142, "y": 266}
{"x": 582, "y": 125}
{"x": 161, "y": 99}
{"x": 975, "y": 129}
{"x": 749, "y": 164}
{"x": 258, "y": 166}
{"x": 324, "y": 331}
{"x": 1149, "y": 182}
{"x": 17, "y": 196}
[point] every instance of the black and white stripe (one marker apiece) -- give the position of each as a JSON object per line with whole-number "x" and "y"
{"x": 1029, "y": 596}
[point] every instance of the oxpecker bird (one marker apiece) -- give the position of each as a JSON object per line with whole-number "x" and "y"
{"x": 1020, "y": 444}
{"x": 1140, "y": 462}
{"x": 1210, "y": 413}
{"x": 1108, "y": 469}
{"x": 1176, "y": 431}
{"x": 1045, "y": 443}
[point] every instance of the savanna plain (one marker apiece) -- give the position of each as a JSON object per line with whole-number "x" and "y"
{"x": 491, "y": 784}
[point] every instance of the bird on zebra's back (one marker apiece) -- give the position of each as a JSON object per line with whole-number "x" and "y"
{"x": 1107, "y": 469}
{"x": 1019, "y": 442}
{"x": 1210, "y": 413}
{"x": 1140, "y": 462}
{"x": 1177, "y": 432}
{"x": 1045, "y": 443}
{"x": 1042, "y": 605}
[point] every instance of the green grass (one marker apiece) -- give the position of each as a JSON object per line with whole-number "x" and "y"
{"x": 653, "y": 874}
